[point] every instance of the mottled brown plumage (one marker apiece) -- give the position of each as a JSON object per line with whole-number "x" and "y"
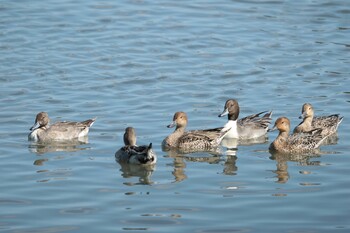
{"x": 194, "y": 140}
{"x": 328, "y": 124}
{"x": 302, "y": 143}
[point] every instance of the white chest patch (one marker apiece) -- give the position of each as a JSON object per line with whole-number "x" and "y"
{"x": 233, "y": 131}
{"x": 33, "y": 136}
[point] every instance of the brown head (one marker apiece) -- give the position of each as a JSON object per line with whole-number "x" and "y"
{"x": 179, "y": 120}
{"x": 282, "y": 124}
{"x": 130, "y": 136}
{"x": 232, "y": 109}
{"x": 42, "y": 119}
{"x": 307, "y": 111}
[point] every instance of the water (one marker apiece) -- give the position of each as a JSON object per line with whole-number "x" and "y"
{"x": 135, "y": 63}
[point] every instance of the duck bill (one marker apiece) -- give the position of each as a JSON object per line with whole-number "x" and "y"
{"x": 273, "y": 129}
{"x": 35, "y": 126}
{"x": 302, "y": 116}
{"x": 224, "y": 113}
{"x": 172, "y": 124}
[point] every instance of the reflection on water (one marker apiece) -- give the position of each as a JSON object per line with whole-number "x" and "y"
{"x": 137, "y": 62}
{"x": 331, "y": 140}
{"x": 253, "y": 141}
{"x": 143, "y": 172}
{"x": 282, "y": 164}
{"x": 58, "y": 146}
{"x": 56, "y": 174}
{"x": 230, "y": 167}
{"x": 180, "y": 160}
{"x": 232, "y": 144}
{"x": 40, "y": 162}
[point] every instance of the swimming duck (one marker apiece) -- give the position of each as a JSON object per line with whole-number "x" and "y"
{"x": 249, "y": 127}
{"x": 301, "y": 143}
{"x": 131, "y": 153}
{"x": 328, "y": 124}
{"x": 194, "y": 140}
{"x": 67, "y": 130}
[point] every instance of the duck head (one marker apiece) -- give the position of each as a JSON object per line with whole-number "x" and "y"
{"x": 231, "y": 109}
{"x": 306, "y": 111}
{"x": 179, "y": 120}
{"x": 41, "y": 120}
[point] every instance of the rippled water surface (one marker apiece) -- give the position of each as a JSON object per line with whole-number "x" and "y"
{"x": 135, "y": 63}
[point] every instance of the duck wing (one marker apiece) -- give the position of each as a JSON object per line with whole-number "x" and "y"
{"x": 141, "y": 154}
{"x": 331, "y": 121}
{"x": 309, "y": 140}
{"x": 256, "y": 121}
{"x": 65, "y": 126}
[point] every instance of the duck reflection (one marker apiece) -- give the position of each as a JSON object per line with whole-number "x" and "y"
{"x": 58, "y": 146}
{"x": 212, "y": 157}
{"x": 143, "y": 172}
{"x": 180, "y": 158}
{"x": 248, "y": 142}
{"x": 231, "y": 144}
{"x": 282, "y": 164}
{"x": 331, "y": 140}
{"x": 230, "y": 167}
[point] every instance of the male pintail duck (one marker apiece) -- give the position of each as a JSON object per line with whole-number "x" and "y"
{"x": 249, "y": 127}
{"x": 133, "y": 154}
{"x": 301, "y": 143}
{"x": 67, "y": 130}
{"x": 328, "y": 124}
{"x": 194, "y": 140}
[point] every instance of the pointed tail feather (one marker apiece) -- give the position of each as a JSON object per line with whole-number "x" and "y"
{"x": 89, "y": 122}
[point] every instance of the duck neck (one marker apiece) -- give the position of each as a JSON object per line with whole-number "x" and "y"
{"x": 307, "y": 121}
{"x": 282, "y": 135}
{"x": 233, "y": 116}
{"x": 172, "y": 138}
{"x": 179, "y": 130}
{"x": 231, "y": 128}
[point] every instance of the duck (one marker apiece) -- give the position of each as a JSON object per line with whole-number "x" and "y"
{"x": 66, "y": 130}
{"x": 130, "y": 153}
{"x": 247, "y": 128}
{"x": 194, "y": 140}
{"x": 328, "y": 124}
{"x": 302, "y": 143}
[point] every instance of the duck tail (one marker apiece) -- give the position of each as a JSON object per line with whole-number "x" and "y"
{"x": 89, "y": 122}
{"x": 339, "y": 121}
{"x": 151, "y": 156}
{"x": 318, "y": 134}
{"x": 268, "y": 115}
{"x": 223, "y": 133}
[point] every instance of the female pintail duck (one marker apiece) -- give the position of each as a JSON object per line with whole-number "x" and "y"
{"x": 328, "y": 124}
{"x": 133, "y": 154}
{"x": 194, "y": 140}
{"x": 301, "y": 143}
{"x": 67, "y": 130}
{"x": 250, "y": 127}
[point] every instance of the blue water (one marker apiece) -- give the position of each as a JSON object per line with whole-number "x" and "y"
{"x": 135, "y": 63}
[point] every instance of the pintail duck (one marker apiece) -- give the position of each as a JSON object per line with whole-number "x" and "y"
{"x": 249, "y": 127}
{"x": 328, "y": 124}
{"x": 67, "y": 130}
{"x": 301, "y": 143}
{"x": 194, "y": 140}
{"x": 133, "y": 154}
